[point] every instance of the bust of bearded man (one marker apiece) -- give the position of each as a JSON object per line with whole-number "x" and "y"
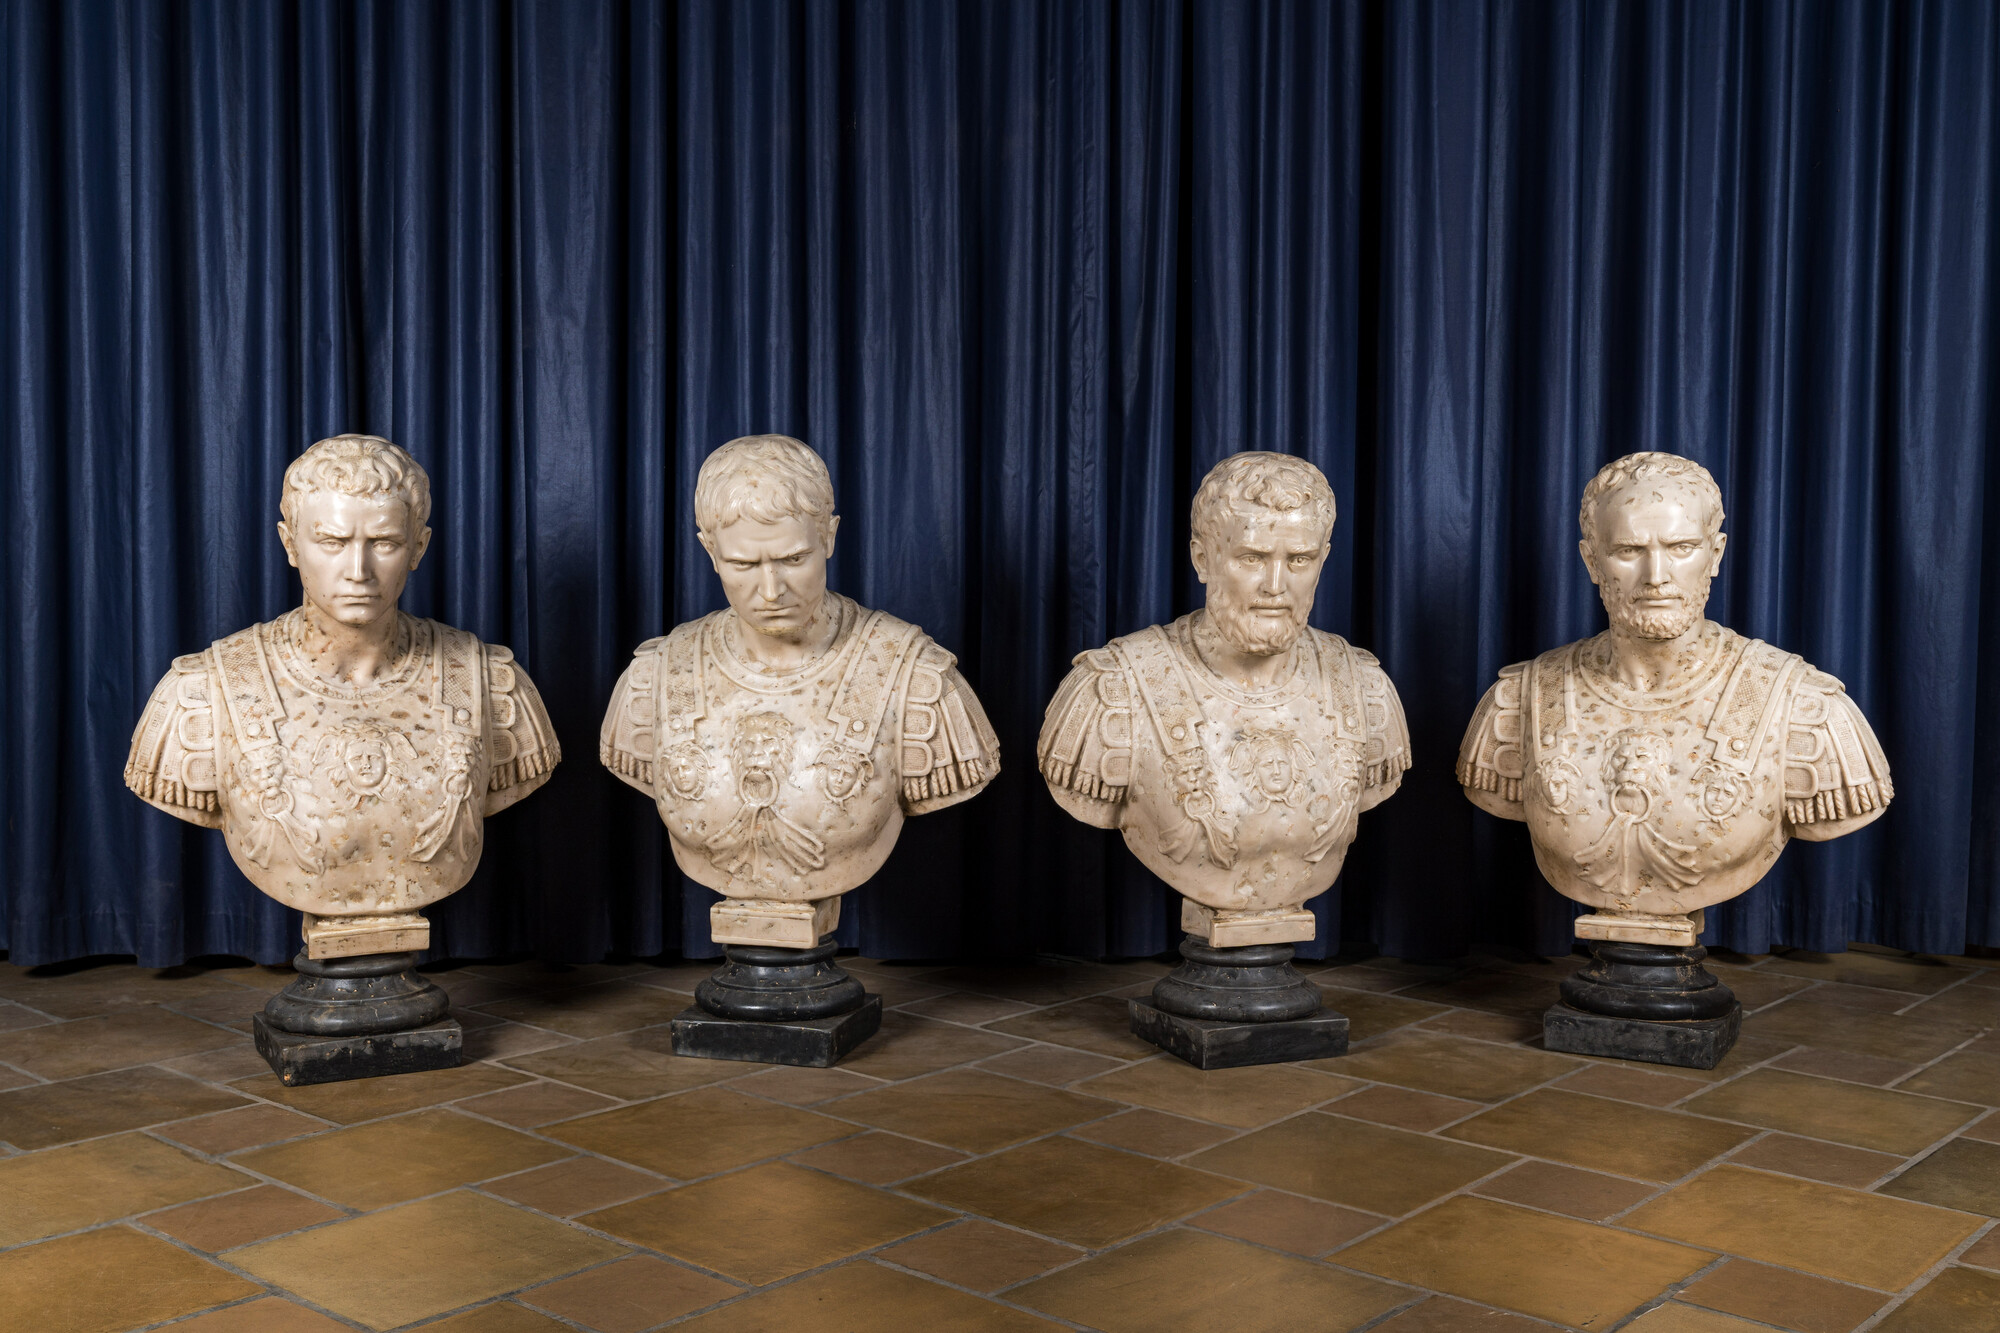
{"x": 1662, "y": 765}
{"x": 1236, "y": 749}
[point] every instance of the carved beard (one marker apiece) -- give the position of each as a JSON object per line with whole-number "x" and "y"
{"x": 1652, "y": 623}
{"x": 1247, "y": 632}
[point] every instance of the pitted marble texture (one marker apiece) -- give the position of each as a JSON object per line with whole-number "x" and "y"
{"x": 1661, "y": 766}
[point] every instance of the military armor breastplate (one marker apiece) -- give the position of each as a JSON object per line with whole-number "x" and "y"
{"x": 1242, "y": 800}
{"x": 780, "y": 786}
{"x": 341, "y": 800}
{"x": 1640, "y": 802}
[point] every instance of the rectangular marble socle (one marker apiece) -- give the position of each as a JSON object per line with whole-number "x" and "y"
{"x": 815, "y": 1043}
{"x": 353, "y": 936}
{"x": 1208, "y": 1044}
{"x": 1679, "y": 932}
{"x": 1691, "y": 1043}
{"x": 775, "y": 925}
{"x": 300, "y": 1058}
{"x": 1230, "y": 930}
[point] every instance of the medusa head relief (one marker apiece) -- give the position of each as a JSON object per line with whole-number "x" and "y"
{"x": 360, "y": 758}
{"x": 1269, "y": 765}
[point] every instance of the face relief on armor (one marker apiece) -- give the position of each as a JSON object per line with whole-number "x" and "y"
{"x": 348, "y": 753}
{"x": 785, "y": 739}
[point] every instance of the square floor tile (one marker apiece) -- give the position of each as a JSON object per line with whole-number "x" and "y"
{"x": 980, "y": 1255}
{"x": 388, "y": 1161}
{"x": 530, "y": 1104}
{"x": 1485, "y": 1027}
{"x": 1756, "y": 987}
{"x": 102, "y": 989}
{"x": 1245, "y": 1098}
{"x": 1154, "y": 1133}
{"x": 590, "y": 1011}
{"x": 499, "y": 1317}
{"x": 699, "y": 1133}
{"x": 804, "y": 1087}
{"x": 86, "y": 1108}
{"x": 1864, "y": 1239}
{"x": 1451, "y": 1066}
{"x": 1673, "y": 1317}
{"x": 356, "y": 1100}
{"x": 270, "y": 1315}
{"x": 864, "y": 1298}
{"x": 1076, "y": 1192}
{"x": 1779, "y": 1296}
{"x": 1627, "y": 1084}
{"x": 1530, "y": 1262}
{"x": 1977, "y": 1005}
{"x": 1963, "y": 1174}
{"x": 1827, "y": 1162}
{"x": 1035, "y": 981}
{"x": 65, "y": 1189}
{"x": 803, "y": 1219}
{"x": 971, "y": 1010}
{"x": 1506, "y": 993}
{"x": 629, "y": 1066}
{"x": 1803, "y": 1022}
{"x": 245, "y": 1127}
{"x": 496, "y": 1041}
{"x": 1405, "y": 1108}
{"x": 1920, "y": 976}
{"x": 1101, "y": 1024}
{"x": 1371, "y": 1167}
{"x": 1192, "y": 1282}
{"x": 1370, "y": 1015}
{"x": 1968, "y": 1076}
{"x": 630, "y": 1295}
{"x": 908, "y": 1046}
{"x": 1876, "y": 1118}
{"x": 233, "y": 1008}
{"x": 875, "y": 1158}
{"x": 1442, "y": 1314}
{"x": 237, "y": 1219}
{"x": 578, "y": 1185}
{"x": 1602, "y": 1135}
{"x": 1566, "y": 1190}
{"x": 1287, "y": 1222}
{"x": 1058, "y": 1066}
{"x": 111, "y": 1041}
{"x": 1958, "y": 1300}
{"x": 971, "y": 1110}
{"x": 1848, "y": 1066}
{"x": 108, "y": 1282}
{"x": 421, "y": 1259}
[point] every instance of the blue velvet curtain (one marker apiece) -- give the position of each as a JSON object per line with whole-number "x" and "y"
{"x": 1022, "y": 272}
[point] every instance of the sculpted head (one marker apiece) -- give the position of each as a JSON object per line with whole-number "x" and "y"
{"x": 356, "y": 514}
{"x": 763, "y": 508}
{"x": 1652, "y": 540}
{"x": 1262, "y": 527}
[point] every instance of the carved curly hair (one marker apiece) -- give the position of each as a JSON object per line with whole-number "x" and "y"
{"x": 766, "y": 478}
{"x": 1261, "y": 480}
{"x": 1634, "y": 468}
{"x": 358, "y": 465}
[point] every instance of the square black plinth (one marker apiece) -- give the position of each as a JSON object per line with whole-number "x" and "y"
{"x": 1691, "y": 1043}
{"x": 816, "y": 1043}
{"x": 298, "y": 1058}
{"x": 1207, "y": 1044}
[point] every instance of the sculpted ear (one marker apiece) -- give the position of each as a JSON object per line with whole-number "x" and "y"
{"x": 423, "y": 543}
{"x": 285, "y": 538}
{"x": 1200, "y": 558}
{"x": 1721, "y": 540}
{"x": 832, "y": 529}
{"x": 1589, "y": 565}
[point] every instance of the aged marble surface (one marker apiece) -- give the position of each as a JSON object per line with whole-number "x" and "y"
{"x": 1662, "y": 765}
{"x": 349, "y": 753}
{"x": 1236, "y": 748}
{"x": 785, "y": 738}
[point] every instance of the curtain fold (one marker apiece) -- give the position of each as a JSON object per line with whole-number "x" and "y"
{"x": 1022, "y": 270}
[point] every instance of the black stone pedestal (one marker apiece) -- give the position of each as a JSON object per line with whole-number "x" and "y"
{"x": 777, "y": 1006}
{"x": 360, "y": 1017}
{"x": 1649, "y": 1002}
{"x": 1223, "y": 1008}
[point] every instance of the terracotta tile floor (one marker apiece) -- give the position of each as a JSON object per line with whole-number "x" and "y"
{"x": 1003, "y": 1156}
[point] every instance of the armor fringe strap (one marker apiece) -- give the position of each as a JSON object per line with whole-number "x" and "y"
{"x": 1071, "y": 778}
{"x": 618, "y": 761}
{"x": 1841, "y": 802}
{"x": 168, "y": 792}
{"x": 945, "y": 779}
{"x": 524, "y": 769}
{"x": 1485, "y": 779}
{"x": 1389, "y": 769}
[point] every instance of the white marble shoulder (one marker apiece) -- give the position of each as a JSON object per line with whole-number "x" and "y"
{"x": 172, "y": 763}
{"x": 949, "y": 749}
{"x": 1085, "y": 749}
{"x": 1386, "y": 756}
{"x": 1836, "y": 776}
{"x": 625, "y": 743}
{"x": 1492, "y": 759}
{"x": 525, "y": 749}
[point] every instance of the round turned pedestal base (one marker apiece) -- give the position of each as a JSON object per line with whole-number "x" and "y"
{"x": 778, "y": 1006}
{"x": 359, "y": 1017}
{"x": 1650, "y": 1002}
{"x": 1251, "y": 983}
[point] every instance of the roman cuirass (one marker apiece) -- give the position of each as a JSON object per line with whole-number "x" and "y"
{"x": 337, "y": 799}
{"x": 792, "y": 785}
{"x": 1664, "y": 802}
{"x": 1242, "y": 800}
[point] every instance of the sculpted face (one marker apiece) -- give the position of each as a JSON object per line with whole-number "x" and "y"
{"x": 774, "y": 574}
{"x": 354, "y": 553}
{"x": 1261, "y": 573}
{"x": 1653, "y": 558}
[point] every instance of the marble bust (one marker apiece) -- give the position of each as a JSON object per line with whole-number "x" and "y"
{"x": 1662, "y": 765}
{"x": 785, "y": 738}
{"x": 1236, "y": 748}
{"x": 348, "y": 752}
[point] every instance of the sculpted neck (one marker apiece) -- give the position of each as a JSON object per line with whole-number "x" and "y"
{"x": 350, "y": 654}
{"x": 1251, "y": 671}
{"x": 792, "y": 649}
{"x": 1654, "y": 665}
